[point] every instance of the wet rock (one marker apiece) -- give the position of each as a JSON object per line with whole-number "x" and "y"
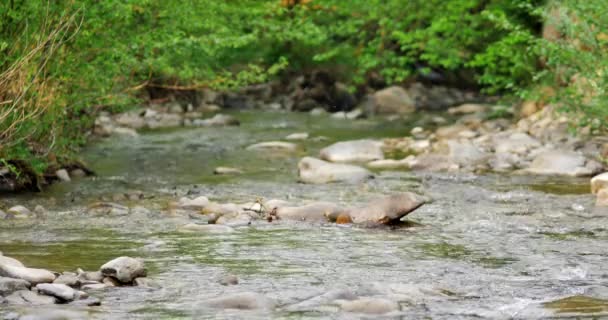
{"x": 219, "y": 120}
{"x": 10, "y": 285}
{"x": 53, "y": 314}
{"x": 110, "y": 282}
{"x": 467, "y": 108}
{"x": 274, "y": 146}
{"x": 19, "y": 212}
{"x": 68, "y": 279}
{"x": 369, "y": 305}
{"x": 130, "y": 120}
{"x": 318, "y": 212}
{"x": 40, "y": 211}
{"x": 393, "y": 100}
{"x": 317, "y": 171}
{"x": 353, "y": 151}
{"x": 298, "y": 136}
{"x": 517, "y": 143}
{"x": 387, "y": 209}
{"x": 450, "y": 132}
{"x": 10, "y": 261}
{"x": 243, "y": 301}
{"x": 124, "y": 269}
{"x": 96, "y": 276}
{"x": 599, "y": 182}
{"x": 222, "y": 209}
{"x": 198, "y": 203}
{"x": 432, "y": 162}
{"x": 323, "y": 299}
{"x": 229, "y": 280}
{"x": 26, "y": 297}
{"x": 61, "y": 291}
{"x": 31, "y": 275}
{"x": 559, "y": 162}
{"x": 206, "y": 228}
{"x": 227, "y": 171}
{"x": 63, "y": 175}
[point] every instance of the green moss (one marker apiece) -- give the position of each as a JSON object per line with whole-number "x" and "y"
{"x": 578, "y": 304}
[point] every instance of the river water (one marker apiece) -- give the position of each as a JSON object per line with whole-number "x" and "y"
{"x": 486, "y": 246}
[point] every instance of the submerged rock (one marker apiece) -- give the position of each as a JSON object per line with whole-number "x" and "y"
{"x": 312, "y": 170}
{"x": 198, "y": 203}
{"x": 318, "y": 211}
{"x": 602, "y": 198}
{"x": 219, "y": 120}
{"x": 274, "y": 145}
{"x": 19, "y": 212}
{"x": 31, "y": 275}
{"x": 369, "y": 305}
{"x": 124, "y": 269}
{"x": 387, "y": 209}
{"x": 297, "y": 136}
{"x": 243, "y": 301}
{"x": 228, "y": 280}
{"x": 353, "y": 151}
{"x": 206, "y": 228}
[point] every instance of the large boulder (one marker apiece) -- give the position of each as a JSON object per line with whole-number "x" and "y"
{"x": 124, "y": 269}
{"x": 393, "y": 100}
{"x": 387, "y": 209}
{"x": 31, "y": 275}
{"x": 561, "y": 162}
{"x": 312, "y": 170}
{"x": 353, "y": 151}
{"x": 317, "y": 211}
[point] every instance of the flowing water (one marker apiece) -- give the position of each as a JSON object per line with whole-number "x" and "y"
{"x": 486, "y": 246}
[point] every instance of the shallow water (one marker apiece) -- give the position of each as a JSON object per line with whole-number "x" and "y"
{"x": 486, "y": 246}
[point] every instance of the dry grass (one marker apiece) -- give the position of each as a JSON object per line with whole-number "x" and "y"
{"x": 27, "y": 90}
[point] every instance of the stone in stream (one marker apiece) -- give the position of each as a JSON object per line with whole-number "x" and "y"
{"x": 369, "y": 305}
{"x": 602, "y": 198}
{"x": 31, "y": 275}
{"x": 227, "y": 171}
{"x": 353, "y": 151}
{"x": 387, "y": 209}
{"x": 206, "y": 228}
{"x": 273, "y": 146}
{"x": 315, "y": 171}
{"x": 108, "y": 208}
{"x": 297, "y": 136}
{"x": 599, "y": 182}
{"x": 219, "y": 120}
{"x": 63, "y": 175}
{"x": 110, "y": 282}
{"x": 228, "y": 280}
{"x": 10, "y": 285}
{"x": 197, "y": 203}
{"x": 124, "y": 269}
{"x": 89, "y": 275}
{"x": 19, "y": 211}
{"x": 27, "y": 297}
{"x": 317, "y": 212}
{"x": 69, "y": 279}
{"x": 59, "y": 291}
{"x": 94, "y": 286}
{"x": 404, "y": 163}
{"x": 560, "y": 162}
{"x": 242, "y": 301}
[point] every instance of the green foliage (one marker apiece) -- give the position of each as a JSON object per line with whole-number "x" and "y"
{"x": 103, "y": 52}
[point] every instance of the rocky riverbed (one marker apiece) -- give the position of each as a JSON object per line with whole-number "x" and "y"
{"x": 291, "y": 216}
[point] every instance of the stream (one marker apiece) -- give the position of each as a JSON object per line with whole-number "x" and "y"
{"x": 486, "y": 246}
